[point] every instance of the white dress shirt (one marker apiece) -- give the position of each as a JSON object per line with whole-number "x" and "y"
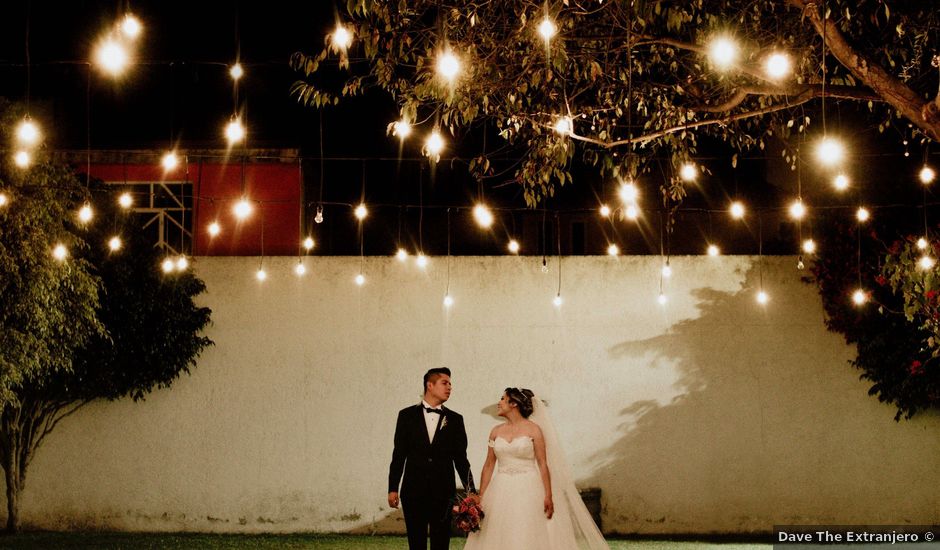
{"x": 431, "y": 419}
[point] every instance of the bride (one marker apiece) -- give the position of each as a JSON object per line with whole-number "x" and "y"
{"x": 530, "y": 500}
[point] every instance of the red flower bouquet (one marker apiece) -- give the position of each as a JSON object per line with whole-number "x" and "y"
{"x": 467, "y": 514}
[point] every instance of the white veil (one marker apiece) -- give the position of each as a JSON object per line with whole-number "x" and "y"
{"x": 572, "y": 519}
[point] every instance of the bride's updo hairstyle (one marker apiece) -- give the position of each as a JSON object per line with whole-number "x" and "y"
{"x": 523, "y": 400}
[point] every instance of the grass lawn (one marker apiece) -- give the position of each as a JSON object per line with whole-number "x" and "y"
{"x": 114, "y": 541}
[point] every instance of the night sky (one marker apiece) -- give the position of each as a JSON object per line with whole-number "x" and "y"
{"x": 179, "y": 91}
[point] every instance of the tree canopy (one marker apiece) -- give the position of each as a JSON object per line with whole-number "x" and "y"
{"x": 619, "y": 82}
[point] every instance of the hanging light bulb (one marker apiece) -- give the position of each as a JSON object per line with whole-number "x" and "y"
{"x": 4, "y": 199}
{"x": 605, "y": 211}
{"x": 236, "y": 71}
{"x": 170, "y": 161}
{"x": 863, "y": 215}
{"x": 688, "y": 172}
{"x": 434, "y": 145}
{"x": 662, "y": 299}
{"x": 513, "y": 246}
{"x": 667, "y": 271}
{"x": 713, "y": 250}
{"x": 114, "y": 243}
{"x": 841, "y": 182}
{"x": 27, "y": 132}
{"x": 214, "y": 229}
{"x": 182, "y": 263}
{"x": 85, "y": 213}
{"x": 421, "y": 260}
{"x": 300, "y": 269}
{"x": 797, "y": 209}
{"x": 762, "y": 297}
{"x": 261, "y": 274}
{"x": 448, "y": 301}
{"x": 131, "y": 26}
{"x": 126, "y": 200}
{"x": 22, "y": 159}
{"x": 319, "y": 217}
{"x": 234, "y": 131}
{"x": 927, "y": 175}
{"x": 60, "y": 253}
{"x": 830, "y": 151}
{"x": 628, "y": 192}
{"x": 168, "y": 265}
{"x": 809, "y": 246}
{"x": 544, "y": 265}
{"x": 799, "y": 263}
{"x": 777, "y": 65}
{"x": 361, "y": 211}
{"x": 859, "y": 297}
{"x": 723, "y": 52}
{"x": 922, "y": 243}
{"x": 926, "y": 262}
{"x": 308, "y": 244}
{"x": 401, "y": 255}
{"x": 547, "y": 28}
{"x": 360, "y": 279}
{"x": 564, "y": 125}
{"x": 557, "y": 300}
{"x": 448, "y": 66}
{"x": 613, "y": 250}
{"x": 632, "y": 212}
{"x": 482, "y": 215}
{"x": 402, "y": 129}
{"x": 341, "y": 37}
{"x": 112, "y": 56}
{"x": 243, "y": 209}
{"x": 737, "y": 210}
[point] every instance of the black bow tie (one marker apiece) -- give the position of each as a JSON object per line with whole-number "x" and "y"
{"x": 430, "y": 410}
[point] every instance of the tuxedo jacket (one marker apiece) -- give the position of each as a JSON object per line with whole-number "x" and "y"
{"x": 428, "y": 467}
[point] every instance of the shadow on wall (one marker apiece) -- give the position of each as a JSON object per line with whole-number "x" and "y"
{"x": 771, "y": 426}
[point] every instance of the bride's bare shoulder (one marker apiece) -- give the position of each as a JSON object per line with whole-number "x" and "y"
{"x": 533, "y": 429}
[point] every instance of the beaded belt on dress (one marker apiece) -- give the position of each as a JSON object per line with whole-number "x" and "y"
{"x": 513, "y": 470}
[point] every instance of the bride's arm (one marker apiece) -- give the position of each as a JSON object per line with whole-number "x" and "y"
{"x": 489, "y": 465}
{"x": 539, "y": 442}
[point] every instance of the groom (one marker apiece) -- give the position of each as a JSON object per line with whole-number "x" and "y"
{"x": 430, "y": 443}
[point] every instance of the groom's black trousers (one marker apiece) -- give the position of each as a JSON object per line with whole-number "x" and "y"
{"x": 424, "y": 517}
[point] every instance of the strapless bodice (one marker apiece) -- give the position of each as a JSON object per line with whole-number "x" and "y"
{"x": 516, "y": 456}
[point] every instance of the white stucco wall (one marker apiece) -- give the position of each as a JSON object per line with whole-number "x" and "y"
{"x": 712, "y": 414}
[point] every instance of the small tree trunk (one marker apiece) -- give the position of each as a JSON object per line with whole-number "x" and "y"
{"x": 13, "y": 495}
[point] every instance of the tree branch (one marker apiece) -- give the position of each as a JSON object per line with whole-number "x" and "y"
{"x": 815, "y": 90}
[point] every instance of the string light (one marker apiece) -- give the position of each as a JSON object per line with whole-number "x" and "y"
{"x": 605, "y": 211}
{"x": 214, "y": 229}
{"x": 131, "y": 26}
{"x": 922, "y": 243}
{"x": 513, "y": 246}
{"x": 261, "y": 274}
{"x": 308, "y": 244}
{"x": 341, "y": 38}
{"x": 662, "y": 299}
{"x": 797, "y": 209}
{"x": 723, "y": 52}
{"x": 713, "y": 250}
{"x": 863, "y": 215}
{"x": 547, "y": 28}
{"x": 777, "y": 65}
{"x": 809, "y": 246}
{"x": 927, "y": 175}
{"x": 27, "y": 132}
{"x": 170, "y": 161}
{"x": 243, "y": 209}
{"x": 60, "y": 253}
{"x": 401, "y": 128}
{"x": 401, "y": 255}
{"x": 300, "y": 270}
{"x": 762, "y": 298}
{"x": 361, "y": 211}
{"x": 628, "y": 192}
{"x": 926, "y": 262}
{"x": 841, "y": 182}
{"x": 85, "y": 213}
{"x": 421, "y": 260}
{"x": 4, "y": 199}
{"x": 688, "y": 172}
{"x": 859, "y": 297}
{"x": 236, "y": 72}
{"x": 114, "y": 244}
{"x": 234, "y": 131}
{"x": 112, "y": 56}
{"x": 613, "y": 250}
{"x": 360, "y": 279}
{"x": 434, "y": 145}
{"x": 482, "y": 215}
{"x": 557, "y": 300}
{"x": 168, "y": 265}
{"x": 22, "y": 159}
{"x": 448, "y": 301}
{"x": 319, "y": 217}
{"x": 667, "y": 270}
{"x": 125, "y": 200}
{"x": 632, "y": 213}
{"x": 448, "y": 65}
{"x": 182, "y": 263}
{"x": 737, "y": 210}
{"x": 564, "y": 125}
{"x": 830, "y": 151}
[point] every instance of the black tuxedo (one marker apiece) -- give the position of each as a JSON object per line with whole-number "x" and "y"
{"x": 428, "y": 486}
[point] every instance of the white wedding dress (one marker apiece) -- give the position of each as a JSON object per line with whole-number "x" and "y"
{"x": 514, "y": 500}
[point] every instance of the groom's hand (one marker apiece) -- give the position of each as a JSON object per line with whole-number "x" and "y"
{"x": 393, "y": 499}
